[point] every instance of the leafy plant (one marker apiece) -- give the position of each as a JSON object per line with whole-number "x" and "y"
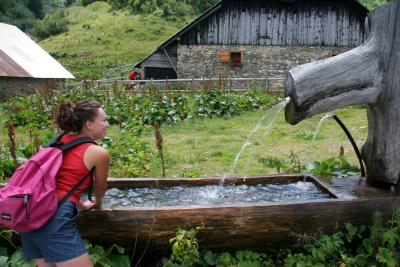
{"x": 7, "y": 164}
{"x": 130, "y": 156}
{"x": 112, "y": 257}
{"x": 289, "y": 165}
{"x": 52, "y": 24}
{"x": 184, "y": 248}
{"x": 337, "y": 166}
{"x": 376, "y": 245}
{"x": 307, "y": 135}
{"x": 16, "y": 258}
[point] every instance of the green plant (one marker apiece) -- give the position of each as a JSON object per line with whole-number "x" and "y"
{"x": 240, "y": 258}
{"x": 273, "y": 162}
{"x": 52, "y": 24}
{"x": 307, "y": 135}
{"x": 16, "y": 258}
{"x": 130, "y": 156}
{"x": 7, "y": 164}
{"x": 357, "y": 246}
{"x": 112, "y": 257}
{"x": 289, "y": 165}
{"x": 337, "y": 166}
{"x": 184, "y": 248}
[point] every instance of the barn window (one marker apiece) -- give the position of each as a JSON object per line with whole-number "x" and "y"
{"x": 235, "y": 58}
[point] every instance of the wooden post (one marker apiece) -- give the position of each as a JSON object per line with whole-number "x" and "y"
{"x": 368, "y": 74}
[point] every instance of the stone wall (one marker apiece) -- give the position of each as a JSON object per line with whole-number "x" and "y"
{"x": 202, "y": 61}
{"x": 12, "y": 85}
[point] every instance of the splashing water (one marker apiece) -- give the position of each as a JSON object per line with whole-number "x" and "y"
{"x": 274, "y": 111}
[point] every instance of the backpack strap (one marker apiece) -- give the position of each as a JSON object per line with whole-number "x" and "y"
{"x": 55, "y": 142}
{"x": 74, "y": 143}
{"x": 72, "y": 191}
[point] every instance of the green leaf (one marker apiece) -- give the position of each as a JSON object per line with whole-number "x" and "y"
{"x": 360, "y": 260}
{"x": 391, "y": 237}
{"x": 120, "y": 261}
{"x": 97, "y": 254}
{"x": 120, "y": 250}
{"x": 210, "y": 258}
{"x": 17, "y": 259}
{"x": 3, "y": 252}
{"x": 385, "y": 256}
{"x": 368, "y": 245}
{"x": 3, "y": 261}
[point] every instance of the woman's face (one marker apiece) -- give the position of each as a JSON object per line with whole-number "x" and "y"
{"x": 97, "y": 128}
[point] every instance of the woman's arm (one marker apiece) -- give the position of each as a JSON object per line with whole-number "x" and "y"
{"x": 98, "y": 157}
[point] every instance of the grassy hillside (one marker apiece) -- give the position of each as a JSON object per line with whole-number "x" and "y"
{"x": 99, "y": 37}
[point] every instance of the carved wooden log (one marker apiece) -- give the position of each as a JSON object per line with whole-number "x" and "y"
{"x": 363, "y": 75}
{"x": 261, "y": 226}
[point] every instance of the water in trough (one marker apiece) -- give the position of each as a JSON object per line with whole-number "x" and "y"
{"x": 211, "y": 195}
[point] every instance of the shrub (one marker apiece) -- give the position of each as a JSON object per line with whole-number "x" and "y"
{"x": 118, "y": 3}
{"x": 52, "y": 24}
{"x": 87, "y": 2}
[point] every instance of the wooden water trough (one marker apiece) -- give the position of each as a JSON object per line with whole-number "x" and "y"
{"x": 261, "y": 226}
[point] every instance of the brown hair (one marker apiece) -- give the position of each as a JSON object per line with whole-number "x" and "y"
{"x": 71, "y": 117}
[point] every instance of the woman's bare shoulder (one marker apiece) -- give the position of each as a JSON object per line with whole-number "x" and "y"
{"x": 98, "y": 151}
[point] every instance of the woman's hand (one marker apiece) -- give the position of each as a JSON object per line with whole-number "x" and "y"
{"x": 87, "y": 205}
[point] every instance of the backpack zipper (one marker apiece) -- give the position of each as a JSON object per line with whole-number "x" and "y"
{"x": 26, "y": 202}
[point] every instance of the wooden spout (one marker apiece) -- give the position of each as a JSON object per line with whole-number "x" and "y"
{"x": 367, "y": 74}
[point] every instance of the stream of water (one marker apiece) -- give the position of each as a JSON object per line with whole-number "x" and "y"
{"x": 271, "y": 113}
{"x": 309, "y": 161}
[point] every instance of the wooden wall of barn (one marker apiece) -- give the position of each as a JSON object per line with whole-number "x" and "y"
{"x": 303, "y": 22}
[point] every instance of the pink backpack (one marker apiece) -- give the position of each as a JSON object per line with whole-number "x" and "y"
{"x": 29, "y": 198}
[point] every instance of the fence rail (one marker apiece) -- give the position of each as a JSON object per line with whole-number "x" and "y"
{"x": 270, "y": 85}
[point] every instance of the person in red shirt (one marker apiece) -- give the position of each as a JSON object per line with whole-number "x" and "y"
{"x": 132, "y": 75}
{"x": 58, "y": 242}
{"x": 135, "y": 75}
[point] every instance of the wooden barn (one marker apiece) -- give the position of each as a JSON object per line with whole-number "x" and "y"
{"x": 25, "y": 66}
{"x": 257, "y": 39}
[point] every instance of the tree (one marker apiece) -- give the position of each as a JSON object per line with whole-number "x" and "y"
{"x": 16, "y": 12}
{"x": 36, "y": 6}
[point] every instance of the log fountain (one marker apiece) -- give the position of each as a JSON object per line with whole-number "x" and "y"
{"x": 364, "y": 75}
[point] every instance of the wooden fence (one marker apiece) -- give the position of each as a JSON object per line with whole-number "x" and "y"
{"x": 270, "y": 85}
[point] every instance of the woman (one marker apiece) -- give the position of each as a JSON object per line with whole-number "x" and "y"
{"x": 58, "y": 242}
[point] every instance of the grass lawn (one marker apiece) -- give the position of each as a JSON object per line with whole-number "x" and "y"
{"x": 207, "y": 147}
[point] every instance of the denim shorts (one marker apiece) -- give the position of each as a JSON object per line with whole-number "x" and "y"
{"x": 58, "y": 240}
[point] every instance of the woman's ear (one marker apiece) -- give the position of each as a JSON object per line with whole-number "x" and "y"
{"x": 88, "y": 124}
